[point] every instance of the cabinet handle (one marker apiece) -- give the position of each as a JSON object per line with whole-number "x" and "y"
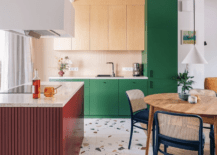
{"x": 151, "y": 84}
{"x": 104, "y": 82}
{"x": 151, "y": 73}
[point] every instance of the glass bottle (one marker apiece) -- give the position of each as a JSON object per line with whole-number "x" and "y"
{"x": 36, "y": 86}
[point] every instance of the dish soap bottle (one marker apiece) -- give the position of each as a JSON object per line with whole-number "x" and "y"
{"x": 36, "y": 86}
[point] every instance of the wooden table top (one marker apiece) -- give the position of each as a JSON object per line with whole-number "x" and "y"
{"x": 171, "y": 102}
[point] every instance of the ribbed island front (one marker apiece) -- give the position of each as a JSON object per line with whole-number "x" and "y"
{"x": 45, "y": 126}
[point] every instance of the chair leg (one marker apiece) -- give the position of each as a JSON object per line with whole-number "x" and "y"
{"x": 165, "y": 148}
{"x": 153, "y": 137}
{"x": 201, "y": 148}
{"x": 212, "y": 149}
{"x": 131, "y": 133}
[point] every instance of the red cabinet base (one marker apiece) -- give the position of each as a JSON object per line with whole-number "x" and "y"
{"x": 43, "y": 131}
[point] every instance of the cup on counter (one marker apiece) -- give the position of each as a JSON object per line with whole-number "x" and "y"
{"x": 49, "y": 91}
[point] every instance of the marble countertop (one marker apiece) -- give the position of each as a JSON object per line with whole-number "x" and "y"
{"x": 64, "y": 94}
{"x": 94, "y": 77}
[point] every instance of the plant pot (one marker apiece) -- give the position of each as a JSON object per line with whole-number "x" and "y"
{"x": 61, "y": 73}
{"x": 184, "y": 96}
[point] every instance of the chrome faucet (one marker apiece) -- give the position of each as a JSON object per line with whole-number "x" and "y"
{"x": 113, "y": 72}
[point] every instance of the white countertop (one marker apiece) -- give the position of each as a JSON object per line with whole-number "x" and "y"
{"x": 93, "y": 77}
{"x": 64, "y": 94}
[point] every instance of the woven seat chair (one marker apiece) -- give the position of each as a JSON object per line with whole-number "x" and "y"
{"x": 204, "y": 92}
{"x": 138, "y": 109}
{"x": 179, "y": 131}
{"x": 212, "y": 142}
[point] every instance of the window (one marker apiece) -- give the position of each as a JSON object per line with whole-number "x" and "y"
{"x": 2, "y": 49}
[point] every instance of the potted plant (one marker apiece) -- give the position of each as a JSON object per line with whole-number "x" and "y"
{"x": 185, "y": 81}
{"x": 62, "y": 64}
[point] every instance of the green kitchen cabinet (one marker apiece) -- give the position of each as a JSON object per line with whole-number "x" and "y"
{"x": 161, "y": 32}
{"x": 124, "y": 85}
{"x": 162, "y": 54}
{"x": 104, "y": 97}
{"x": 86, "y": 101}
{"x": 157, "y": 86}
{"x": 86, "y": 92}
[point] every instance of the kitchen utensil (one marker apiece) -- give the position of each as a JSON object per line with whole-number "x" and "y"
{"x": 50, "y": 91}
{"x": 136, "y": 70}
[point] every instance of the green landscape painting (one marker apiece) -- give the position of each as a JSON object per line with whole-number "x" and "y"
{"x": 188, "y": 37}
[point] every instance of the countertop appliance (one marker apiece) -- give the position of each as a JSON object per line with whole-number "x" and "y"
{"x": 26, "y": 89}
{"x": 136, "y": 69}
{"x": 38, "y": 18}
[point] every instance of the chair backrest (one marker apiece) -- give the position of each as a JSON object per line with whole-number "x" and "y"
{"x": 179, "y": 126}
{"x": 204, "y": 92}
{"x": 211, "y": 83}
{"x": 136, "y": 100}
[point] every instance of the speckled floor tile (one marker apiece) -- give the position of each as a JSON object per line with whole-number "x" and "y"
{"x": 111, "y": 137}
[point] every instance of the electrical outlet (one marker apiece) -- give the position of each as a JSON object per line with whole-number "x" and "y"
{"x": 129, "y": 69}
{"x": 73, "y": 69}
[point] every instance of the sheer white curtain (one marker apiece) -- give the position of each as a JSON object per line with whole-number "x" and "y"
{"x": 17, "y": 61}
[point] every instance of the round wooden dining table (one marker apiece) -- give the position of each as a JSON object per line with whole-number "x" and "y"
{"x": 206, "y": 108}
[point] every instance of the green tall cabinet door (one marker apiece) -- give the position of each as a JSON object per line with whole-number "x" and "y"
{"x": 103, "y": 97}
{"x": 162, "y": 44}
{"x": 124, "y": 85}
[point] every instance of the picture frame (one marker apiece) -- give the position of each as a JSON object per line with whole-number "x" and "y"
{"x": 188, "y": 37}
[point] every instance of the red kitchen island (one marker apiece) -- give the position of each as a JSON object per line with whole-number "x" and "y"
{"x": 45, "y": 126}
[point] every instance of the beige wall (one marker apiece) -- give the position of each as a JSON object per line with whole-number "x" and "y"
{"x": 89, "y": 63}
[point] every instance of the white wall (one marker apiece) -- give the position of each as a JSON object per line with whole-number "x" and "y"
{"x": 186, "y": 22}
{"x": 211, "y": 37}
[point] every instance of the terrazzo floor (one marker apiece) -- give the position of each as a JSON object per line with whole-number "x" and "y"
{"x": 111, "y": 137}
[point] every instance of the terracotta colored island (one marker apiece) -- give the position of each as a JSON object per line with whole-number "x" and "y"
{"x": 45, "y": 126}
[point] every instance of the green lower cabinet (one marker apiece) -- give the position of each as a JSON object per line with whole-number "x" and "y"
{"x": 104, "y": 97}
{"x": 124, "y": 85}
{"x": 86, "y": 101}
{"x": 157, "y": 86}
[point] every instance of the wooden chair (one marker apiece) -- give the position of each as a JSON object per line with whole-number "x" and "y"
{"x": 138, "y": 109}
{"x": 179, "y": 131}
{"x": 204, "y": 92}
{"x": 212, "y": 142}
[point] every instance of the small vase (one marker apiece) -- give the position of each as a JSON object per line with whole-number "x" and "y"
{"x": 184, "y": 96}
{"x": 61, "y": 73}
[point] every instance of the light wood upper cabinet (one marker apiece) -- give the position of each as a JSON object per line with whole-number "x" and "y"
{"x": 62, "y": 43}
{"x": 117, "y": 28}
{"x": 106, "y": 27}
{"x": 135, "y": 27}
{"x": 99, "y": 24}
{"x": 82, "y": 25}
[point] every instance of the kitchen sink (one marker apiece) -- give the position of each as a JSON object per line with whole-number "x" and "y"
{"x": 103, "y": 76}
{"x": 109, "y": 76}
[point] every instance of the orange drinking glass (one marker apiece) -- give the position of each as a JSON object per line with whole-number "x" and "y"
{"x": 49, "y": 91}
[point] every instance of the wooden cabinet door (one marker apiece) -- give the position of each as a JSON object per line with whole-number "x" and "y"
{"x": 82, "y": 26}
{"x": 62, "y": 43}
{"x": 135, "y": 27}
{"x": 99, "y": 27}
{"x": 117, "y": 28}
{"x": 104, "y": 97}
{"x": 124, "y": 85}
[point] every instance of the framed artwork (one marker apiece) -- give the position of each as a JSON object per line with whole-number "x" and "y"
{"x": 188, "y": 37}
